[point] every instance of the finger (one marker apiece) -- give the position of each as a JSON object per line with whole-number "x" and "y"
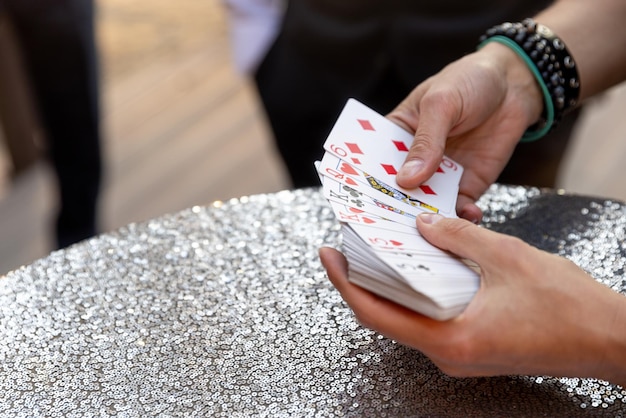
{"x": 336, "y": 266}
{"x": 437, "y": 115}
{"x": 372, "y": 311}
{"x": 462, "y": 238}
{"x": 466, "y": 209}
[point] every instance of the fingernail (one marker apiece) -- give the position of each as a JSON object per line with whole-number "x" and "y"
{"x": 430, "y": 218}
{"x": 472, "y": 219}
{"x": 411, "y": 168}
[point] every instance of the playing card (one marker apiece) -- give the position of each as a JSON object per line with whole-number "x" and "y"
{"x": 422, "y": 269}
{"x": 435, "y": 305}
{"x": 346, "y": 195}
{"x": 357, "y": 216}
{"x": 375, "y": 145}
{"x": 386, "y": 253}
{"x": 445, "y": 281}
{"x": 416, "y": 270}
{"x": 341, "y": 171}
{"x": 391, "y": 241}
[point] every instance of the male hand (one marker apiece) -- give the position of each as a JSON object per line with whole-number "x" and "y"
{"x": 535, "y": 312}
{"x": 475, "y": 111}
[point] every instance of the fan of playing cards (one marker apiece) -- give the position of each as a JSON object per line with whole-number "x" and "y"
{"x": 385, "y": 252}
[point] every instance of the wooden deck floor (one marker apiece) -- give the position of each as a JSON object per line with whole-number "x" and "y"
{"x": 182, "y": 129}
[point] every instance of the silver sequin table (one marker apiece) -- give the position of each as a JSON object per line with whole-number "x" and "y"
{"x": 226, "y": 311}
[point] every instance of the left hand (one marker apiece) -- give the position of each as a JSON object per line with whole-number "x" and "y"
{"x": 535, "y": 312}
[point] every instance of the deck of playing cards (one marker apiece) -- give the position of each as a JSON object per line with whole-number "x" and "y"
{"x": 385, "y": 252}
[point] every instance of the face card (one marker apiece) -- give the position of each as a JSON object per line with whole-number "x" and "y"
{"x": 340, "y": 193}
{"x": 375, "y": 145}
{"x": 352, "y": 215}
{"x": 341, "y": 171}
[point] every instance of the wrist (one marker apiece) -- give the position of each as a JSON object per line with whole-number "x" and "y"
{"x": 550, "y": 62}
{"x": 614, "y": 367}
{"x": 522, "y": 86}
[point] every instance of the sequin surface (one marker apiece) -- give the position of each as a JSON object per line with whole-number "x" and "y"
{"x": 226, "y": 311}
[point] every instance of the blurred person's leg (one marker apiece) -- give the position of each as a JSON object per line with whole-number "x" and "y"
{"x": 57, "y": 38}
{"x": 302, "y": 102}
{"x": 18, "y": 119}
{"x": 300, "y": 109}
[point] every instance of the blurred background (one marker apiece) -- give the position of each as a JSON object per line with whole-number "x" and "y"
{"x": 182, "y": 128}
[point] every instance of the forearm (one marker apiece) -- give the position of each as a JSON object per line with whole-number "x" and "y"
{"x": 596, "y": 331}
{"x": 595, "y": 34}
{"x": 615, "y": 354}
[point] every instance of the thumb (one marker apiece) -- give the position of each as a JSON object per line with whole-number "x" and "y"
{"x": 460, "y": 237}
{"x": 434, "y": 123}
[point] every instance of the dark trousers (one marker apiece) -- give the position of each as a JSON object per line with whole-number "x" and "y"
{"x": 58, "y": 47}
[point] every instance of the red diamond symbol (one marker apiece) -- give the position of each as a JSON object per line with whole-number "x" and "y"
{"x": 389, "y": 169}
{"x": 356, "y": 161}
{"x": 400, "y": 145}
{"x": 426, "y": 189}
{"x": 365, "y": 124}
{"x": 440, "y": 170}
{"x": 354, "y": 148}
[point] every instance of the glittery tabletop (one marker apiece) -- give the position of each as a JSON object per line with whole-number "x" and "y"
{"x": 226, "y": 311}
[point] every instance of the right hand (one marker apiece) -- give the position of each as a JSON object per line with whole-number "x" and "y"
{"x": 475, "y": 111}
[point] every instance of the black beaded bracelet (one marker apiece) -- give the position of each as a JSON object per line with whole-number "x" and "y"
{"x": 551, "y": 58}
